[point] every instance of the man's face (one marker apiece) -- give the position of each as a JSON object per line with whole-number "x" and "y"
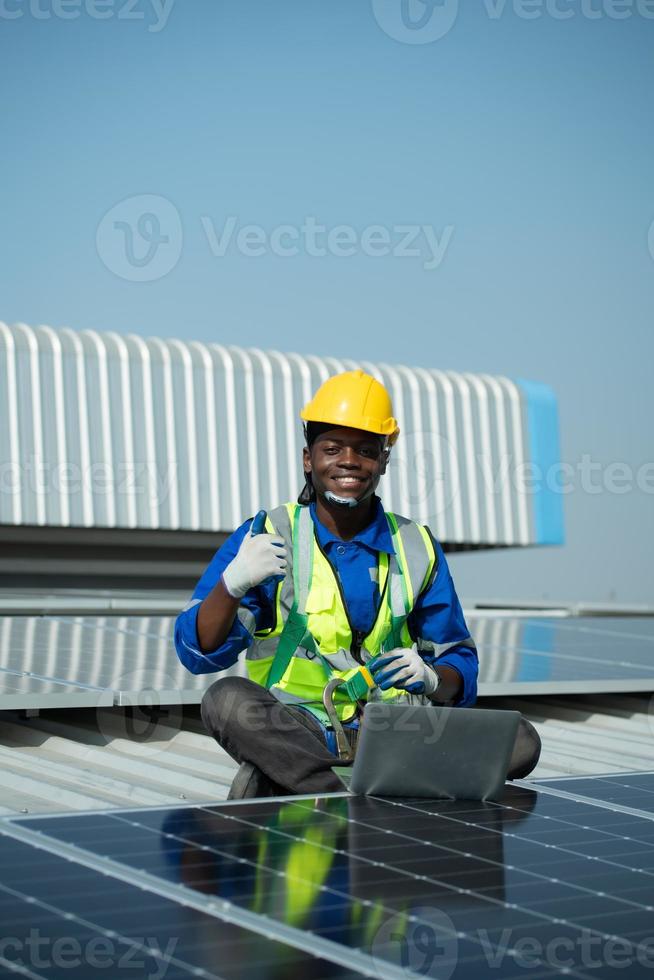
{"x": 349, "y": 462}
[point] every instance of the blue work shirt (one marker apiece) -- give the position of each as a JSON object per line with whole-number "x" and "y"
{"x": 437, "y": 615}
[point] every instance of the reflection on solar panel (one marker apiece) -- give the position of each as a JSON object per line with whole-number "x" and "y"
{"x": 547, "y": 655}
{"x": 631, "y": 790}
{"x": 537, "y": 885}
{"x": 106, "y": 925}
{"x": 57, "y": 661}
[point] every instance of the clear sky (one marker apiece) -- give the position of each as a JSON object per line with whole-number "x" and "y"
{"x": 516, "y": 138}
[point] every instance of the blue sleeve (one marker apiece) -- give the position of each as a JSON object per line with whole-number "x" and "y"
{"x": 438, "y": 621}
{"x": 255, "y": 612}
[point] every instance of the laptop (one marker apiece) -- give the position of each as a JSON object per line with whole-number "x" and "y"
{"x": 431, "y": 752}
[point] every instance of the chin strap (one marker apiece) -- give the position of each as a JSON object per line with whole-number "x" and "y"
{"x": 341, "y": 501}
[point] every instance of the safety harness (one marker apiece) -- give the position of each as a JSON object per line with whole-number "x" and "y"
{"x": 295, "y": 633}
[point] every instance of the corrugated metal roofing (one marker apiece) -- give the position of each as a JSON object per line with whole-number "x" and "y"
{"x": 590, "y": 735}
{"x": 95, "y": 758}
{"x": 103, "y": 430}
{"x": 87, "y": 760}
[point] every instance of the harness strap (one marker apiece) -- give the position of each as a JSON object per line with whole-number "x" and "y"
{"x": 295, "y": 632}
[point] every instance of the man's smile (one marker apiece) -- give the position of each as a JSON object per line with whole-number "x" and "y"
{"x": 346, "y": 482}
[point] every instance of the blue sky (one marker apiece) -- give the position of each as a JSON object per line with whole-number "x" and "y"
{"x": 525, "y": 145}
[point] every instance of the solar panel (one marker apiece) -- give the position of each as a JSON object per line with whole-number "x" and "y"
{"x": 535, "y": 885}
{"x": 565, "y": 655}
{"x": 60, "y": 661}
{"x": 633, "y": 791}
{"x": 24, "y": 690}
{"x": 62, "y": 919}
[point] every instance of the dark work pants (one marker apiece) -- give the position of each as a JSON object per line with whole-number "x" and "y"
{"x": 288, "y": 745}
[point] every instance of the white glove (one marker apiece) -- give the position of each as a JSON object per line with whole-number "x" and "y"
{"x": 404, "y": 669}
{"x": 259, "y": 557}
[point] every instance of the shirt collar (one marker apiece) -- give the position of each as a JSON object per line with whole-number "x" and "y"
{"x": 375, "y": 536}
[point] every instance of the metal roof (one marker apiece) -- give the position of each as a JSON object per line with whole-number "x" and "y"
{"x": 592, "y": 734}
{"x": 91, "y": 759}
{"x": 87, "y": 760}
{"x": 62, "y": 660}
{"x": 104, "y": 430}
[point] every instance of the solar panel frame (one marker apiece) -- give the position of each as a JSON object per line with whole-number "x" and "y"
{"x": 24, "y": 690}
{"x": 522, "y": 655}
{"x": 78, "y": 661}
{"x": 129, "y": 660}
{"x": 81, "y": 903}
{"x": 539, "y": 868}
{"x": 632, "y": 792}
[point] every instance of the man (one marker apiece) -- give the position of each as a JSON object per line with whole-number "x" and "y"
{"x": 318, "y": 589}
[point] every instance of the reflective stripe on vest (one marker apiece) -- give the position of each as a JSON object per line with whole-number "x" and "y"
{"x": 311, "y": 618}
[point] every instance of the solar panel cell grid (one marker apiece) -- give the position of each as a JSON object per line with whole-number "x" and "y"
{"x": 105, "y": 925}
{"x": 77, "y": 660}
{"x": 369, "y": 874}
{"x": 539, "y": 654}
{"x": 634, "y": 790}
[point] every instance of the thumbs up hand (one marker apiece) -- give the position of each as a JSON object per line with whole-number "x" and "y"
{"x": 259, "y": 557}
{"x": 258, "y": 525}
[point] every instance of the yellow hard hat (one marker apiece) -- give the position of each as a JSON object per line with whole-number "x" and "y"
{"x": 356, "y": 400}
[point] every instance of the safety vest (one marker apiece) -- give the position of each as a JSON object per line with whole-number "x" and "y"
{"x": 311, "y": 639}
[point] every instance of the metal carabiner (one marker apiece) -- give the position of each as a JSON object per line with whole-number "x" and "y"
{"x": 345, "y": 753}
